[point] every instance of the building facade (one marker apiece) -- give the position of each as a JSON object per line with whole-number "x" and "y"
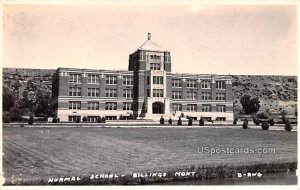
{"x": 147, "y": 89}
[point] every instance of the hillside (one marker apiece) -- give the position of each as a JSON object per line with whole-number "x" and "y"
{"x": 275, "y": 93}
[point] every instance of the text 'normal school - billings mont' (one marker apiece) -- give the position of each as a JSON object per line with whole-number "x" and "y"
{"x": 147, "y": 90}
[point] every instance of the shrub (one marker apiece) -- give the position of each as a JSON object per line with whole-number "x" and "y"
{"x": 190, "y": 121}
{"x": 58, "y": 120}
{"x": 6, "y": 119}
{"x": 162, "y": 120}
{"x": 256, "y": 121}
{"x": 287, "y": 125}
{"x": 103, "y": 120}
{"x": 271, "y": 122}
{"x": 234, "y": 121}
{"x": 121, "y": 117}
{"x": 245, "y": 124}
{"x": 30, "y": 120}
{"x": 170, "y": 121}
{"x": 130, "y": 116}
{"x": 99, "y": 119}
{"x": 201, "y": 122}
{"x": 179, "y": 121}
{"x": 182, "y": 115}
{"x": 265, "y": 126}
{"x": 262, "y": 115}
{"x": 84, "y": 119}
{"x": 54, "y": 120}
{"x": 78, "y": 120}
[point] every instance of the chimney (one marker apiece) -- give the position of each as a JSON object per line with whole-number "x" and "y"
{"x": 149, "y": 36}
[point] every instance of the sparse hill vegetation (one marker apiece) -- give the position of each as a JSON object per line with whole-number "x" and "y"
{"x": 28, "y": 91}
{"x": 275, "y": 93}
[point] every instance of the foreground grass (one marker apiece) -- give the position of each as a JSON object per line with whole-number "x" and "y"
{"x": 41, "y": 153}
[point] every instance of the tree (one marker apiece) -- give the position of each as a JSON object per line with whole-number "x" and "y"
{"x": 170, "y": 121}
{"x": 250, "y": 105}
{"x": 42, "y": 102}
{"x": 16, "y": 112}
{"x": 190, "y": 121}
{"x": 162, "y": 120}
{"x": 201, "y": 121}
{"x": 8, "y": 100}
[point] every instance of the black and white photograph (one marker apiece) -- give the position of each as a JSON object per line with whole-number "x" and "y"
{"x": 149, "y": 93}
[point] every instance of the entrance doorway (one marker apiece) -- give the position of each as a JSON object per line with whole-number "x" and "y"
{"x": 158, "y": 108}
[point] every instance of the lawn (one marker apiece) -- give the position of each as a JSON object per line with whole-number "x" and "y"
{"x": 55, "y": 152}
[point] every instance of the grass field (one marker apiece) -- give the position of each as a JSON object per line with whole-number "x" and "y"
{"x": 37, "y": 153}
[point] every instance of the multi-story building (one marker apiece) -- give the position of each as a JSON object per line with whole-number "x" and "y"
{"x": 147, "y": 89}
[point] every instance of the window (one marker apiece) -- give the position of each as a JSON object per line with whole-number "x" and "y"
{"x": 206, "y": 108}
{"x": 74, "y": 91}
{"x": 220, "y": 96}
{"x": 92, "y": 118}
{"x": 158, "y": 80}
{"x": 221, "y": 108}
{"x": 110, "y": 80}
{"x": 158, "y": 93}
{"x": 191, "y": 95}
{"x": 74, "y": 118}
{"x": 93, "y": 92}
{"x": 206, "y": 96}
{"x": 192, "y": 107}
{"x": 148, "y": 93}
{"x": 154, "y": 57}
{"x": 148, "y": 80}
{"x": 74, "y": 105}
{"x": 176, "y": 107}
{"x": 176, "y": 83}
{"x": 205, "y": 84}
{"x": 110, "y": 92}
{"x": 93, "y": 105}
{"x": 127, "y": 106}
{"x": 220, "y": 85}
{"x": 176, "y": 95}
{"x": 191, "y": 83}
{"x": 154, "y": 66}
{"x": 127, "y": 81}
{"x": 93, "y": 79}
{"x": 74, "y": 78}
{"x": 110, "y": 105}
{"x": 127, "y": 93}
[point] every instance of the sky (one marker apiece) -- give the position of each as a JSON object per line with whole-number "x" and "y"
{"x": 206, "y": 39}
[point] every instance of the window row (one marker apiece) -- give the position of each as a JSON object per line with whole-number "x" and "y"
{"x": 205, "y": 84}
{"x": 193, "y": 108}
{"x": 193, "y": 95}
{"x": 95, "y": 79}
{"x": 76, "y": 105}
{"x": 95, "y": 92}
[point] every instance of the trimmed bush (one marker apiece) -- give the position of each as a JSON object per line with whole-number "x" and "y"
{"x": 182, "y": 114}
{"x": 179, "y": 122}
{"x": 121, "y": 117}
{"x": 78, "y": 120}
{"x": 103, "y": 120}
{"x": 190, "y": 121}
{"x": 271, "y": 122}
{"x": 287, "y": 125}
{"x": 162, "y": 120}
{"x": 6, "y": 119}
{"x": 54, "y": 120}
{"x": 130, "y": 116}
{"x": 170, "y": 121}
{"x": 58, "y": 120}
{"x": 265, "y": 126}
{"x": 234, "y": 121}
{"x": 30, "y": 120}
{"x": 245, "y": 124}
{"x": 256, "y": 121}
{"x": 99, "y": 119}
{"x": 84, "y": 119}
{"x": 201, "y": 122}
